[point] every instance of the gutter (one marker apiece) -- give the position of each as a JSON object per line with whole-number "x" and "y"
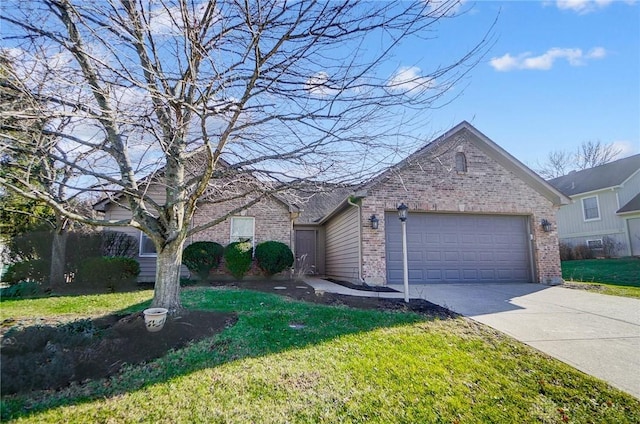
{"x": 359, "y": 238}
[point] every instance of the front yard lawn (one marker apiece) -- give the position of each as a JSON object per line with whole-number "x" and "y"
{"x": 344, "y": 365}
{"x": 619, "y": 277}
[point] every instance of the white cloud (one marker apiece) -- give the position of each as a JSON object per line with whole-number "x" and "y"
{"x": 409, "y": 79}
{"x": 320, "y": 85}
{"x": 444, "y": 7}
{"x": 545, "y": 61}
{"x": 169, "y": 20}
{"x": 627, "y": 148}
{"x": 585, "y": 6}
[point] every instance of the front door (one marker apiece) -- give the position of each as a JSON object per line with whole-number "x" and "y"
{"x": 305, "y": 252}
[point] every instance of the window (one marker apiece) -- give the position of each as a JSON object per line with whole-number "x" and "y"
{"x": 594, "y": 244}
{"x": 461, "y": 162}
{"x": 590, "y": 208}
{"x": 242, "y": 228}
{"x": 147, "y": 247}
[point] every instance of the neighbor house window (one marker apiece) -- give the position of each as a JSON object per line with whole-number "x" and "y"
{"x": 242, "y": 228}
{"x": 590, "y": 208}
{"x": 461, "y": 162}
{"x": 594, "y": 244}
{"x": 147, "y": 248}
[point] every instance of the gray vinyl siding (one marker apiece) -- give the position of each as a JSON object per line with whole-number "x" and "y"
{"x": 342, "y": 241}
{"x": 147, "y": 263}
{"x": 630, "y": 189}
{"x": 571, "y": 222}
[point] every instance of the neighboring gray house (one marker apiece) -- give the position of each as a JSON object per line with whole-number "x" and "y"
{"x": 605, "y": 206}
{"x": 475, "y": 215}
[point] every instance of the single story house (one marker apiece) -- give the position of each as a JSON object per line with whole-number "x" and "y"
{"x": 475, "y": 215}
{"x": 605, "y": 207}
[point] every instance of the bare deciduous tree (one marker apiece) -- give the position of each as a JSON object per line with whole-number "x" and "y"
{"x": 587, "y": 155}
{"x": 216, "y": 101}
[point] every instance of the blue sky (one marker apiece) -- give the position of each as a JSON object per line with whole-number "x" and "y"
{"x": 559, "y": 73}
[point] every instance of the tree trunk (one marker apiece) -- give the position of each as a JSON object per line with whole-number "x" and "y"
{"x": 167, "y": 288}
{"x": 58, "y": 254}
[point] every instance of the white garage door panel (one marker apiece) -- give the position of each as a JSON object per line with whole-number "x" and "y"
{"x": 459, "y": 248}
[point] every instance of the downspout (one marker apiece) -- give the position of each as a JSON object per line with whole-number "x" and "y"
{"x": 359, "y": 239}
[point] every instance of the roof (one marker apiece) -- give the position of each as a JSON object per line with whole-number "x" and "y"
{"x": 320, "y": 201}
{"x": 492, "y": 150}
{"x": 103, "y": 204}
{"x": 632, "y": 205}
{"x": 333, "y": 202}
{"x": 612, "y": 174}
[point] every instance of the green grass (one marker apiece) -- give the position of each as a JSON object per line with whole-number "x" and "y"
{"x": 346, "y": 365}
{"x": 618, "y": 277}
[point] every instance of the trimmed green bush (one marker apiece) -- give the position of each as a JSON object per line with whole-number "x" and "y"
{"x": 29, "y": 270}
{"x": 201, "y": 257}
{"x": 273, "y": 257}
{"x": 238, "y": 257}
{"x": 106, "y": 272}
{"x": 21, "y": 290}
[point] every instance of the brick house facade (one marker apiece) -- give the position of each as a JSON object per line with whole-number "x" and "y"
{"x": 461, "y": 175}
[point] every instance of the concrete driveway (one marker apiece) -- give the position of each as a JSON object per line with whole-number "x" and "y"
{"x": 595, "y": 333}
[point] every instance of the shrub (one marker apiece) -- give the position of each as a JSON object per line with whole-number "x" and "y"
{"x": 273, "y": 257}
{"x": 201, "y": 257}
{"x": 29, "y": 270}
{"x": 582, "y": 251}
{"x": 116, "y": 243}
{"x": 237, "y": 257}
{"x": 566, "y": 251}
{"x": 20, "y": 290}
{"x": 106, "y": 272}
{"x": 611, "y": 247}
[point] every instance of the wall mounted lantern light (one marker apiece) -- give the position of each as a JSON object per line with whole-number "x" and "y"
{"x": 402, "y": 212}
{"x": 374, "y": 222}
{"x": 546, "y": 225}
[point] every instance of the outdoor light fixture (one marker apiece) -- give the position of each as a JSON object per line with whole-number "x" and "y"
{"x": 546, "y": 225}
{"x": 374, "y": 222}
{"x": 402, "y": 212}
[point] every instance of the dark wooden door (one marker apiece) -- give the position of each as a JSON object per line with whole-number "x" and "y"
{"x": 306, "y": 251}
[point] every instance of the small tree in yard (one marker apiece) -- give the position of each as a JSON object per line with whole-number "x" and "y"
{"x": 212, "y": 101}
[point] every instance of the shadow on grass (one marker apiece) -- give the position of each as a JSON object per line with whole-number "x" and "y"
{"x": 266, "y": 324}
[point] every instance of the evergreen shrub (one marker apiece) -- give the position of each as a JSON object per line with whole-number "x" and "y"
{"x": 273, "y": 257}
{"x": 238, "y": 258}
{"x": 201, "y": 257}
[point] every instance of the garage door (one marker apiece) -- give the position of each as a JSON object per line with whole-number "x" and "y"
{"x": 459, "y": 248}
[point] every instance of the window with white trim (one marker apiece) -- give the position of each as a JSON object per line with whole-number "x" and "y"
{"x": 595, "y": 244}
{"x": 242, "y": 228}
{"x": 147, "y": 248}
{"x": 590, "y": 208}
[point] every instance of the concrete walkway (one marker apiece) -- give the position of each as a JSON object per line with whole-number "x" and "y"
{"x": 597, "y": 334}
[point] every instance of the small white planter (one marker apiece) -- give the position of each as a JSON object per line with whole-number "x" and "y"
{"x": 154, "y": 318}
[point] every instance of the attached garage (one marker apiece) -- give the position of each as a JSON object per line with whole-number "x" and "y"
{"x": 459, "y": 248}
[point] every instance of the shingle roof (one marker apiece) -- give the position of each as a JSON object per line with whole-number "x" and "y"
{"x": 632, "y": 205}
{"x": 319, "y": 202}
{"x": 611, "y": 174}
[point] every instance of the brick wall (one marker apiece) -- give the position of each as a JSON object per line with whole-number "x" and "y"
{"x": 272, "y": 222}
{"x": 431, "y": 183}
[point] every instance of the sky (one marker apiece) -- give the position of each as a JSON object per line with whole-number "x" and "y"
{"x": 558, "y": 73}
